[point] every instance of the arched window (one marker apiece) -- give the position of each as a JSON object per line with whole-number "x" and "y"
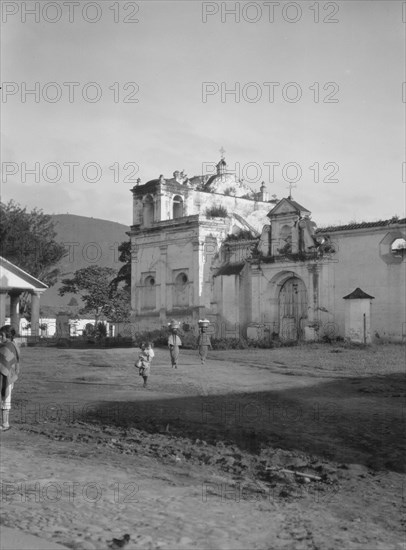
{"x": 177, "y": 211}
{"x": 181, "y": 290}
{"x": 149, "y": 293}
{"x": 148, "y": 210}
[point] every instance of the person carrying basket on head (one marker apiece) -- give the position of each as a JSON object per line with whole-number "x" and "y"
{"x": 203, "y": 342}
{"x": 174, "y": 342}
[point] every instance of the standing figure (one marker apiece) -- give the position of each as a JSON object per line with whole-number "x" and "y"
{"x": 173, "y": 343}
{"x": 144, "y": 361}
{"x": 203, "y": 342}
{"x": 9, "y": 369}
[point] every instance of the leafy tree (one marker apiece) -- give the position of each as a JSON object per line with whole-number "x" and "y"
{"x": 120, "y": 286}
{"x": 124, "y": 273}
{"x": 120, "y": 305}
{"x": 93, "y": 284}
{"x": 27, "y": 239}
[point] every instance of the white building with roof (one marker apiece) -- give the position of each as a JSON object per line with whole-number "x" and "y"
{"x": 13, "y": 282}
{"x": 208, "y": 246}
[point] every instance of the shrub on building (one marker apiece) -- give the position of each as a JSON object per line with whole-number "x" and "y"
{"x": 216, "y": 212}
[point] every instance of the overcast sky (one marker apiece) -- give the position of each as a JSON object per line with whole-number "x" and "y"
{"x": 335, "y": 105}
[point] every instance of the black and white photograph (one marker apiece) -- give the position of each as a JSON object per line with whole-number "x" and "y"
{"x": 203, "y": 275}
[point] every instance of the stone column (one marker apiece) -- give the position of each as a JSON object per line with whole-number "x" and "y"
{"x": 15, "y": 310}
{"x": 3, "y": 298}
{"x": 136, "y": 254}
{"x": 313, "y": 291}
{"x": 197, "y": 266}
{"x": 256, "y": 308}
{"x": 137, "y": 209}
{"x": 163, "y": 205}
{"x": 35, "y": 296}
{"x": 157, "y": 213}
{"x": 163, "y": 302}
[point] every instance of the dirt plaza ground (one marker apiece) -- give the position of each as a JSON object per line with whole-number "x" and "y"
{"x": 198, "y": 459}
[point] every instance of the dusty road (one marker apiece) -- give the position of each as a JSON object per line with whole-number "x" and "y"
{"x": 187, "y": 462}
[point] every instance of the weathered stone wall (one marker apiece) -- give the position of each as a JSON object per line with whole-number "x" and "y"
{"x": 193, "y": 245}
{"x": 363, "y": 261}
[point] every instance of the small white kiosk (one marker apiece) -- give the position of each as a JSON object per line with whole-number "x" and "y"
{"x": 358, "y": 316}
{"x": 13, "y": 282}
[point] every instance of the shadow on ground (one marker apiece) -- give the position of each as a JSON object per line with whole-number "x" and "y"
{"x": 357, "y": 420}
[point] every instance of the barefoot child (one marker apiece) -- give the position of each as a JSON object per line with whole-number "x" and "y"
{"x": 144, "y": 361}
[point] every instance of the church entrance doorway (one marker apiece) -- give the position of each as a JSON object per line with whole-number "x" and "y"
{"x": 292, "y": 310}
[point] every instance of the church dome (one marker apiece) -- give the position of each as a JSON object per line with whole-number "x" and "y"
{"x": 227, "y": 184}
{"x": 152, "y": 182}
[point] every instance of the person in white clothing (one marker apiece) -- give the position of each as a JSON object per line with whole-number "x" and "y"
{"x": 144, "y": 361}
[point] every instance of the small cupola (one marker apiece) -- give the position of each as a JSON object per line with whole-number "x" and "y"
{"x": 221, "y": 167}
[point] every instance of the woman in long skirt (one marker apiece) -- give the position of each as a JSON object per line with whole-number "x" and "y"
{"x": 9, "y": 371}
{"x": 203, "y": 342}
{"x": 173, "y": 344}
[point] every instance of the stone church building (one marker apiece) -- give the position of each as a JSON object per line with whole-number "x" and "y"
{"x": 208, "y": 246}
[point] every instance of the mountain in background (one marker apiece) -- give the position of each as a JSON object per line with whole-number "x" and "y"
{"x": 89, "y": 241}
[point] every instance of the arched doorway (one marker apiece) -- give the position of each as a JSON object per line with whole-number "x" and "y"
{"x": 292, "y": 309}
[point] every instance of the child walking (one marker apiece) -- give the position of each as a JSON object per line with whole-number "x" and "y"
{"x": 144, "y": 361}
{"x": 203, "y": 342}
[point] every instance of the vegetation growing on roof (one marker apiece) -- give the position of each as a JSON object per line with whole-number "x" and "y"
{"x": 216, "y": 212}
{"x": 243, "y": 235}
{"x": 361, "y": 225}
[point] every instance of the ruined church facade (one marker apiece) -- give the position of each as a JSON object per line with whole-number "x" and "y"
{"x": 208, "y": 246}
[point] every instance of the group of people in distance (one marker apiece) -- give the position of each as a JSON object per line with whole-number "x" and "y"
{"x": 10, "y": 360}
{"x": 174, "y": 342}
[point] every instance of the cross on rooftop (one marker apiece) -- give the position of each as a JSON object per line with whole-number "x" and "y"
{"x": 222, "y": 151}
{"x": 290, "y": 187}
